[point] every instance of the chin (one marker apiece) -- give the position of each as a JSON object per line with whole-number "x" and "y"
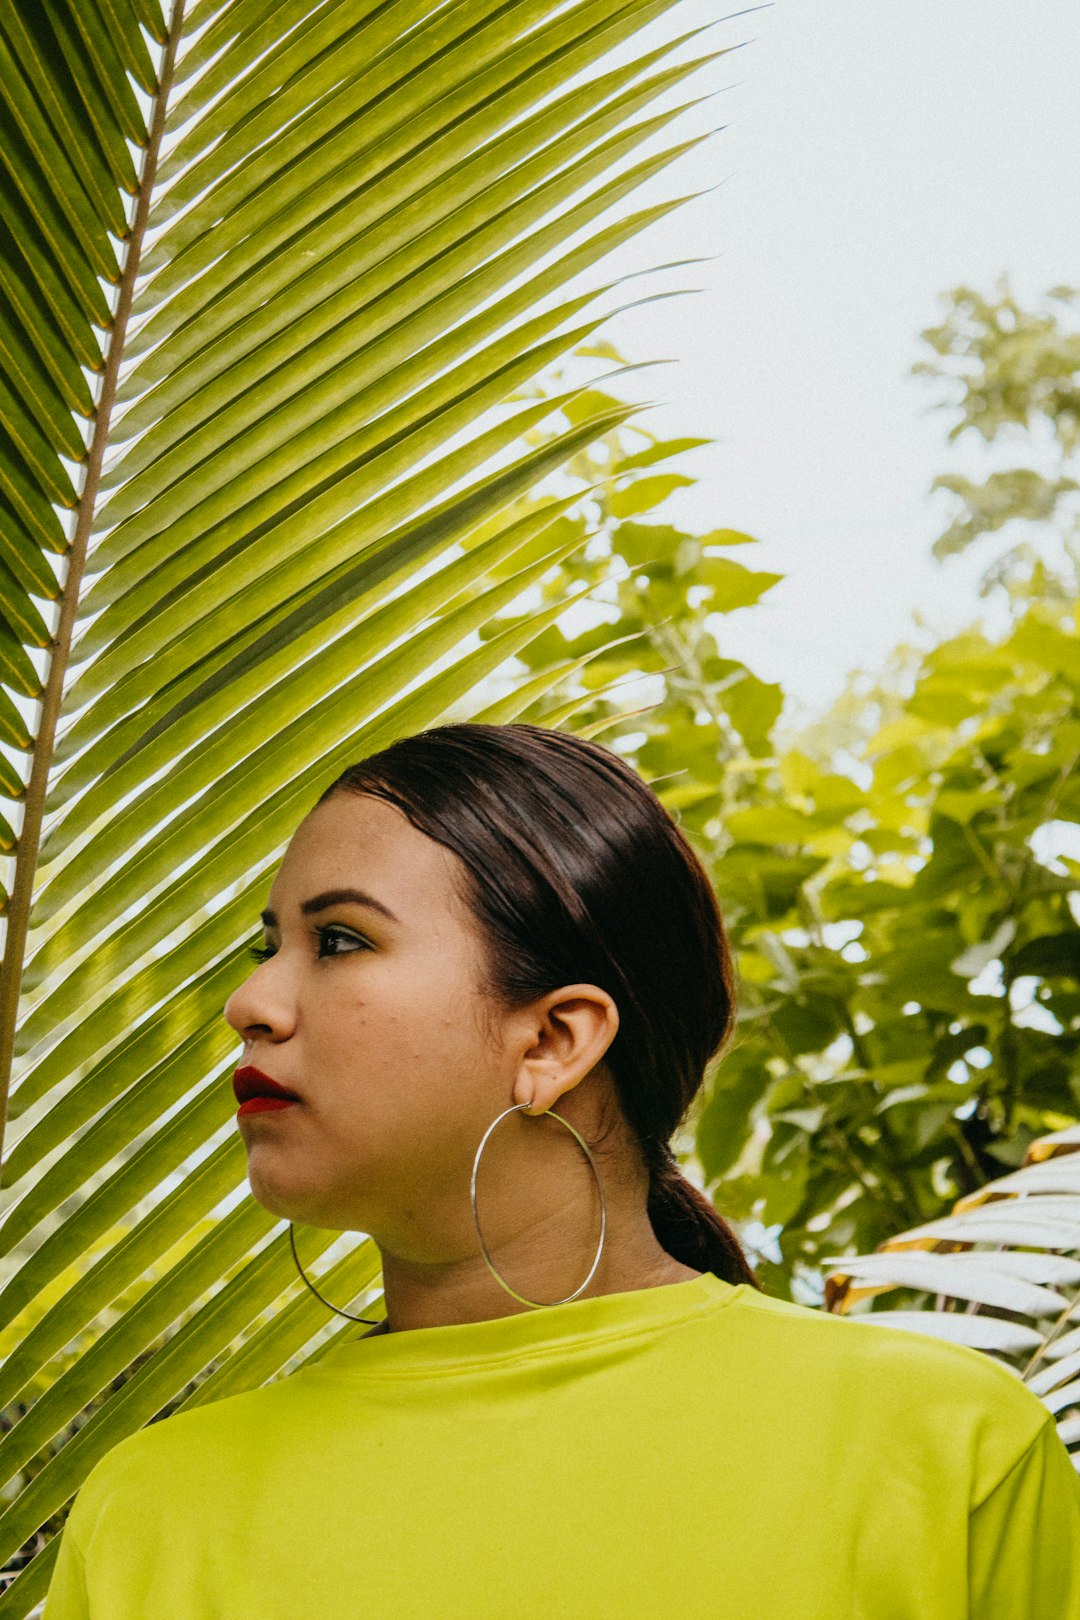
{"x": 295, "y": 1208}
{"x": 284, "y": 1202}
{"x": 273, "y": 1205}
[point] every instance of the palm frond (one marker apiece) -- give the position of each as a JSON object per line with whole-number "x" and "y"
{"x": 265, "y": 475}
{"x": 1004, "y": 1272}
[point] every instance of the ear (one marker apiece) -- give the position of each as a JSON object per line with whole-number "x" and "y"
{"x": 570, "y": 1031}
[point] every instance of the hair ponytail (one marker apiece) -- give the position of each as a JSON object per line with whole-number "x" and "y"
{"x": 575, "y": 871}
{"x": 688, "y": 1226}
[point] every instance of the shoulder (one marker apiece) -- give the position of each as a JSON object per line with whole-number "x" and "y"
{"x": 862, "y": 1351}
{"x": 903, "y": 1380}
{"x": 178, "y": 1451}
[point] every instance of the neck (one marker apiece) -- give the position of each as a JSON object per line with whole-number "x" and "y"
{"x": 540, "y": 1263}
{"x": 539, "y": 1211}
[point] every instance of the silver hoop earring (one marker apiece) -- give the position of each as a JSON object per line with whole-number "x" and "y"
{"x": 315, "y": 1291}
{"x": 538, "y": 1304}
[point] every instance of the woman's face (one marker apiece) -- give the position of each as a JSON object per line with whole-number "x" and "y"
{"x": 376, "y": 1020}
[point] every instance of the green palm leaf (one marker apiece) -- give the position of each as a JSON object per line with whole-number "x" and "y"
{"x": 262, "y": 484}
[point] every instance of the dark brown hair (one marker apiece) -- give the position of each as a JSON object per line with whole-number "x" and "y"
{"x": 577, "y": 873}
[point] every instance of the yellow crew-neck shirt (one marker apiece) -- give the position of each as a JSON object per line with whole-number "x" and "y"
{"x": 693, "y": 1451}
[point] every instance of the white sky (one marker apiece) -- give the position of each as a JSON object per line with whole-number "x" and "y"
{"x": 875, "y": 154}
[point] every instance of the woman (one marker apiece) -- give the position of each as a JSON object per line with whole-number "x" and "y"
{"x": 579, "y": 1404}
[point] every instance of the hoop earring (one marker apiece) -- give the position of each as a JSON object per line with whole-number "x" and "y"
{"x": 315, "y": 1291}
{"x": 538, "y": 1304}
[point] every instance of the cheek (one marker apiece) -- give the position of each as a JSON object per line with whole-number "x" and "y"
{"x": 397, "y": 1018}
{"x": 371, "y": 1021}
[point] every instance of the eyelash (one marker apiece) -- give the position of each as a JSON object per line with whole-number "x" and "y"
{"x": 262, "y": 953}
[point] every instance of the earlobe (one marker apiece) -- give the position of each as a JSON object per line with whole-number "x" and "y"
{"x": 536, "y": 1096}
{"x": 523, "y": 1094}
{"x": 543, "y": 1088}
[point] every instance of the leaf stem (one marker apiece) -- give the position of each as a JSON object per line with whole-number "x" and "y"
{"x": 60, "y": 652}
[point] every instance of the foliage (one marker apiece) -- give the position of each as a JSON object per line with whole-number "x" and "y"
{"x": 907, "y": 934}
{"x": 909, "y": 973}
{"x": 658, "y": 586}
{"x": 1014, "y": 375}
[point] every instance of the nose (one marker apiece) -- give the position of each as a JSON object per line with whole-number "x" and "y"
{"x": 260, "y": 1006}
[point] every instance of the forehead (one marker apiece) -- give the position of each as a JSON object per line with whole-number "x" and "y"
{"x": 360, "y": 841}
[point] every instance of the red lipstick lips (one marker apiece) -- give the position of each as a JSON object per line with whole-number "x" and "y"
{"x": 257, "y": 1093}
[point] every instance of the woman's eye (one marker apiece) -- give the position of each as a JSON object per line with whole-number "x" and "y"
{"x": 327, "y": 937}
{"x": 333, "y": 936}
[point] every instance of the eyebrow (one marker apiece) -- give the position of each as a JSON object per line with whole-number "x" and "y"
{"x": 332, "y": 897}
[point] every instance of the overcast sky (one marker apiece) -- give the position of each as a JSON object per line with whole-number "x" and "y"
{"x": 874, "y": 155}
